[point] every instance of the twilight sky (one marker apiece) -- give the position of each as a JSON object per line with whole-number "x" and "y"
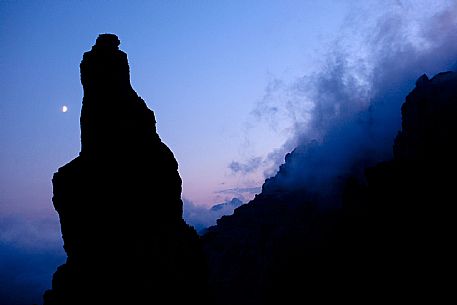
{"x": 219, "y": 75}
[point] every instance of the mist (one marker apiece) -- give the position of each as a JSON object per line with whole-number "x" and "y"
{"x": 345, "y": 116}
{"x": 30, "y": 250}
{"x": 202, "y": 217}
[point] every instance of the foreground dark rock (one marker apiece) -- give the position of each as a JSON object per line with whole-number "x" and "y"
{"x": 388, "y": 237}
{"x": 119, "y": 201}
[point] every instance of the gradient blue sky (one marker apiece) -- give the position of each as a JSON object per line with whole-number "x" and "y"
{"x": 200, "y": 65}
{"x": 218, "y": 74}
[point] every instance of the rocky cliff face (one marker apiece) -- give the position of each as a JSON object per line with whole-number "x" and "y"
{"x": 119, "y": 201}
{"x": 400, "y": 223}
{"x": 388, "y": 238}
{"x": 429, "y": 117}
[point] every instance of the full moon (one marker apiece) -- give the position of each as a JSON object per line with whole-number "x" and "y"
{"x": 64, "y": 108}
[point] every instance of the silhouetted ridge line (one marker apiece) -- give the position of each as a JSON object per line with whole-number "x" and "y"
{"x": 119, "y": 201}
{"x": 388, "y": 238}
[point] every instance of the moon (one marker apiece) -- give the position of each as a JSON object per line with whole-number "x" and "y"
{"x": 64, "y": 108}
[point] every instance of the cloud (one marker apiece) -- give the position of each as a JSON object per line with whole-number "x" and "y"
{"x": 240, "y": 192}
{"x": 349, "y": 111}
{"x": 251, "y": 190}
{"x": 265, "y": 109}
{"x": 201, "y": 217}
{"x": 30, "y": 251}
{"x": 247, "y": 167}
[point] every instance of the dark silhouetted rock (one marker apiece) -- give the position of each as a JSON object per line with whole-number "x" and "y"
{"x": 119, "y": 201}
{"x": 388, "y": 238}
{"x": 411, "y": 214}
{"x": 429, "y": 117}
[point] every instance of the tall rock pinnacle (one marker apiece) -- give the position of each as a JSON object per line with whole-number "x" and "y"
{"x": 119, "y": 201}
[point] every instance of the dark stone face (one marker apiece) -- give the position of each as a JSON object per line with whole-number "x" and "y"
{"x": 388, "y": 238}
{"x": 105, "y": 69}
{"x": 119, "y": 201}
{"x": 108, "y": 41}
